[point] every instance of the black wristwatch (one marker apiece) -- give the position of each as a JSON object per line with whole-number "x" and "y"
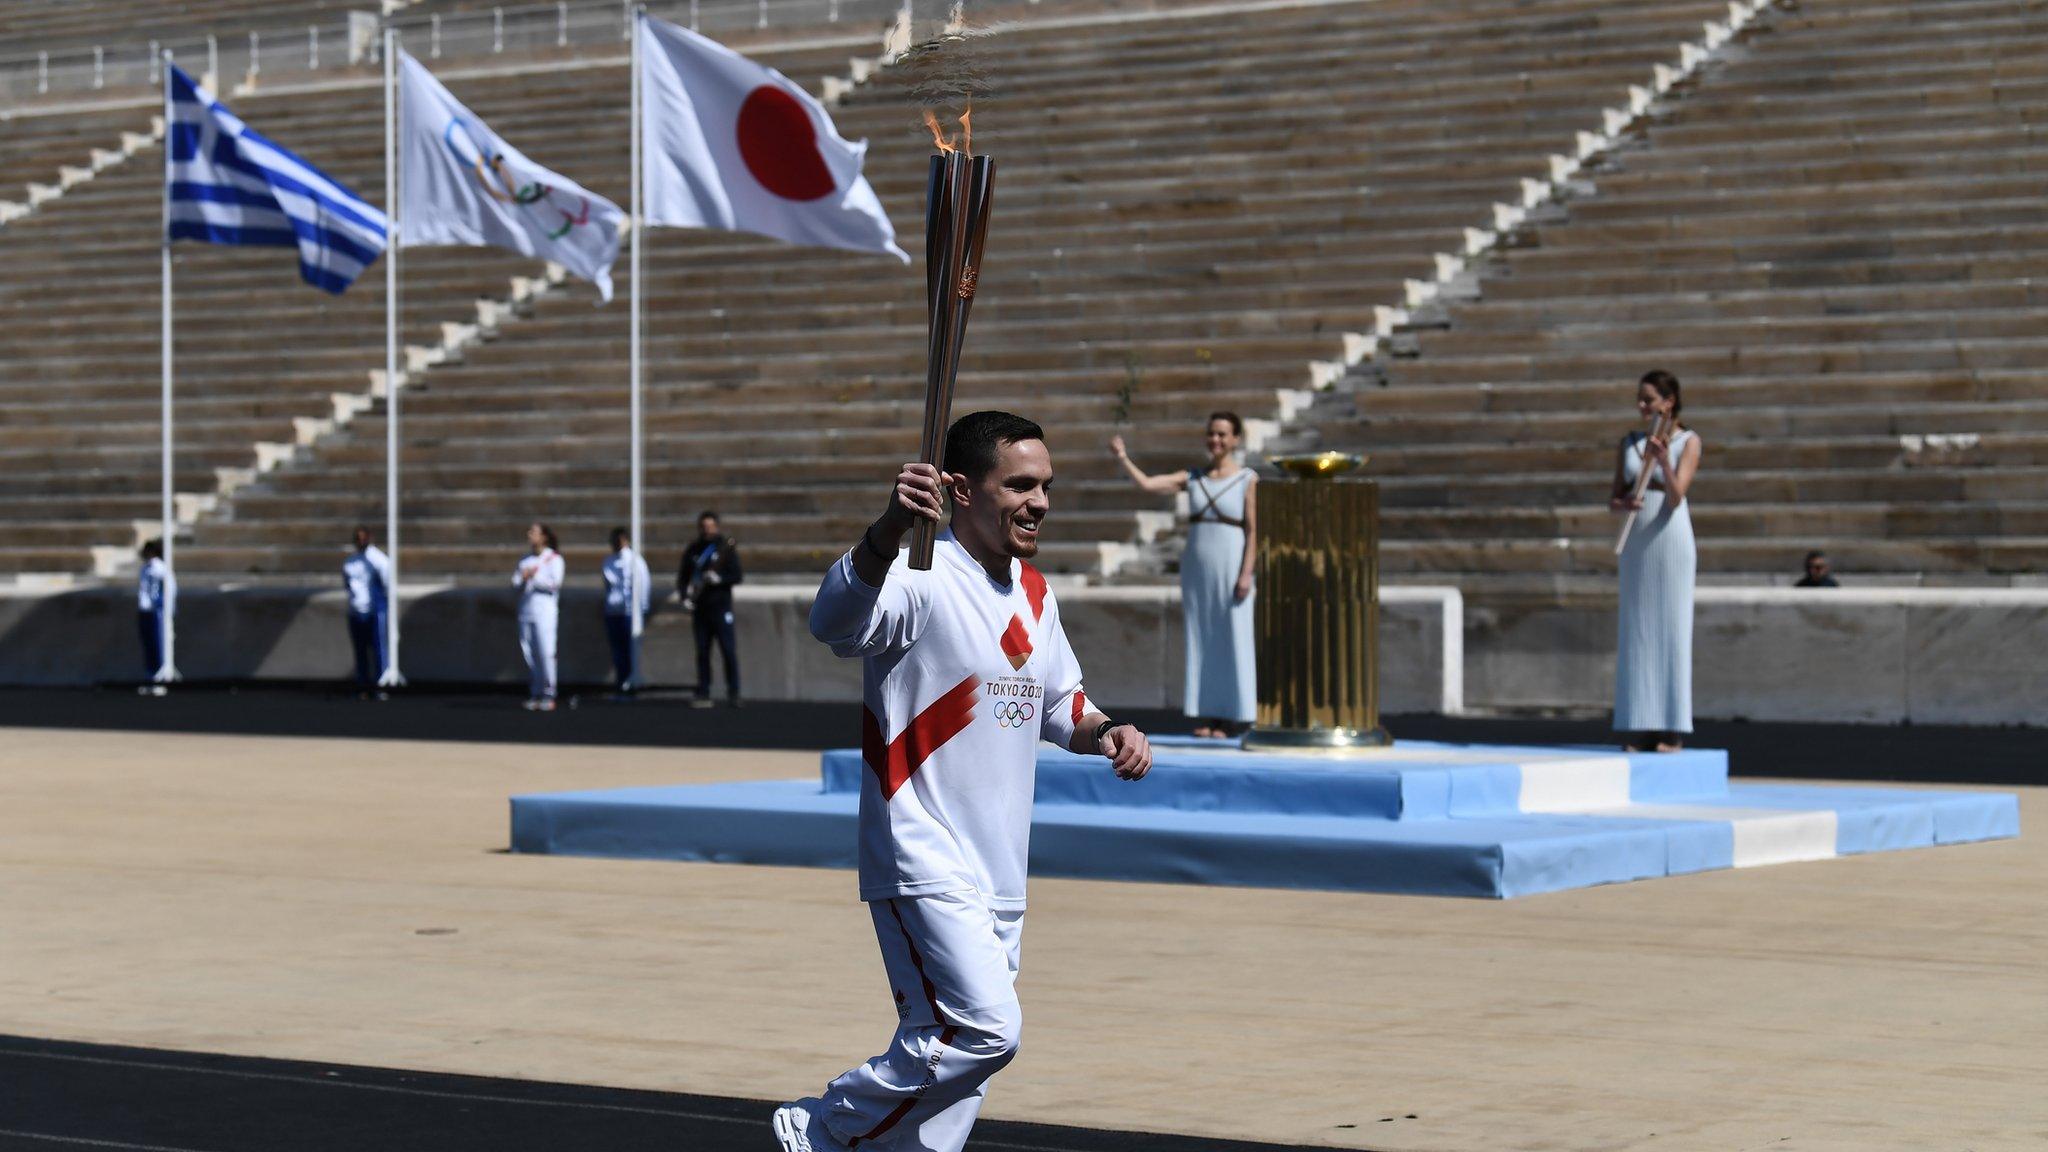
{"x": 1103, "y": 728}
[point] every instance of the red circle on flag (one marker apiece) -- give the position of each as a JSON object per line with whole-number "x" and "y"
{"x": 781, "y": 147}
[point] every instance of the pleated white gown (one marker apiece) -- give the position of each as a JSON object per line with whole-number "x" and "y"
{"x": 1653, "y": 663}
{"x": 1222, "y": 676}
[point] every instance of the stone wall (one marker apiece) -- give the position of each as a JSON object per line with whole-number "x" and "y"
{"x": 1877, "y": 655}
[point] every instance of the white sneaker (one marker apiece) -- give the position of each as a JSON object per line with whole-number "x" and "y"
{"x": 797, "y": 1129}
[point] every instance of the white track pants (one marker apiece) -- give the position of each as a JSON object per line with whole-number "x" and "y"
{"x": 952, "y": 965}
{"x": 537, "y": 644}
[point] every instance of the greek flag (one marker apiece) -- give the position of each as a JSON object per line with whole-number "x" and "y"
{"x": 228, "y": 184}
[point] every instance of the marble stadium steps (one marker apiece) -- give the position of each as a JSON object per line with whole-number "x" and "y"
{"x": 1235, "y": 174}
{"x": 751, "y": 475}
{"x": 33, "y": 148}
{"x": 492, "y": 564}
{"x": 59, "y": 269}
{"x": 842, "y": 514}
{"x": 671, "y": 527}
{"x": 1733, "y": 557}
{"x": 1845, "y": 273}
{"x": 37, "y": 24}
{"x": 1069, "y": 277}
{"x": 793, "y": 497}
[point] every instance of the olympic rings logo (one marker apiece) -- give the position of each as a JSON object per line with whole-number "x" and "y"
{"x": 490, "y": 173}
{"x": 1012, "y": 713}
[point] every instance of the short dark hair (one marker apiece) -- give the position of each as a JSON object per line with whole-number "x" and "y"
{"x": 1236, "y": 424}
{"x": 618, "y": 537}
{"x": 1815, "y": 555}
{"x": 976, "y": 439}
{"x": 360, "y": 530}
{"x": 708, "y": 514}
{"x": 153, "y": 549}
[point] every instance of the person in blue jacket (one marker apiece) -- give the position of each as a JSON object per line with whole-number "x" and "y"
{"x": 626, "y": 579}
{"x": 367, "y": 576}
{"x": 156, "y": 607}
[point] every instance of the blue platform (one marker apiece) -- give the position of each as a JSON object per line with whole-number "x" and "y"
{"x": 1423, "y": 818}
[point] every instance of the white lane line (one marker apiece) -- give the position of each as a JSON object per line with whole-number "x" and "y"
{"x": 87, "y": 1142}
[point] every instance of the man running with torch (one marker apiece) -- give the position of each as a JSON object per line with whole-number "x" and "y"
{"x": 966, "y": 669}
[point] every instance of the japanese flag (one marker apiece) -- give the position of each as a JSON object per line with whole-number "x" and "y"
{"x": 730, "y": 144}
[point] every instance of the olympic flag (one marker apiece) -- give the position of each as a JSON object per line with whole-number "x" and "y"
{"x": 464, "y": 185}
{"x": 735, "y": 145}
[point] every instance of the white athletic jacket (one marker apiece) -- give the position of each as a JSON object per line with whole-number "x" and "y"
{"x": 537, "y": 596}
{"x": 963, "y": 677}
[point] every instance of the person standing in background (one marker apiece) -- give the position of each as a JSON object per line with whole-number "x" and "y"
{"x": 156, "y": 608}
{"x": 1818, "y": 573}
{"x": 367, "y": 576}
{"x": 539, "y": 581}
{"x": 626, "y": 579}
{"x": 710, "y": 569}
{"x": 1221, "y": 690}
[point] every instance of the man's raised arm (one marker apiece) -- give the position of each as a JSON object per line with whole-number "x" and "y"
{"x": 859, "y": 611}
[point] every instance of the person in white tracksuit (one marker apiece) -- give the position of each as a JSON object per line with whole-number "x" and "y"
{"x": 966, "y": 668}
{"x": 539, "y": 581}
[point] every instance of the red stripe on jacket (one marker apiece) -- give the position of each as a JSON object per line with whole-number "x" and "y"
{"x": 894, "y": 762}
{"x": 1034, "y": 589}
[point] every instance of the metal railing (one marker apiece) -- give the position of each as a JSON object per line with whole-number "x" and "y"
{"x": 303, "y": 51}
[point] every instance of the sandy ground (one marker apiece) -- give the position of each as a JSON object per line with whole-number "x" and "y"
{"x": 351, "y": 901}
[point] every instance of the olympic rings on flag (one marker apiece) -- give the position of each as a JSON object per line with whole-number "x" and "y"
{"x": 496, "y": 183}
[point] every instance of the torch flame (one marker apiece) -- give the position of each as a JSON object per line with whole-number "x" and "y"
{"x": 943, "y": 140}
{"x": 939, "y": 138}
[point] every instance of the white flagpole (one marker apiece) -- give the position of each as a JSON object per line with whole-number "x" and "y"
{"x": 168, "y": 670}
{"x": 391, "y": 677}
{"x": 633, "y": 356}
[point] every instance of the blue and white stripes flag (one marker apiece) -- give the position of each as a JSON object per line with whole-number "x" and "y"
{"x": 228, "y": 184}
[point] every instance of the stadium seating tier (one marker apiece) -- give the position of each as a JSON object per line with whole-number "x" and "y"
{"x": 1828, "y": 236}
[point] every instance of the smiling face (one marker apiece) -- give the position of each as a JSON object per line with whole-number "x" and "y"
{"x": 1220, "y": 440}
{"x": 1000, "y": 514}
{"x": 1650, "y": 405}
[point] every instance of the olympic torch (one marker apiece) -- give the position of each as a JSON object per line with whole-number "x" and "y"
{"x": 959, "y": 195}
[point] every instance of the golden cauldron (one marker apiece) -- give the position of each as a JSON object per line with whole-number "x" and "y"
{"x": 1317, "y": 616}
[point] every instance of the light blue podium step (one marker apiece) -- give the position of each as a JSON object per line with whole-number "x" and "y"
{"x": 1216, "y": 823}
{"x": 1412, "y": 781}
{"x": 790, "y": 822}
